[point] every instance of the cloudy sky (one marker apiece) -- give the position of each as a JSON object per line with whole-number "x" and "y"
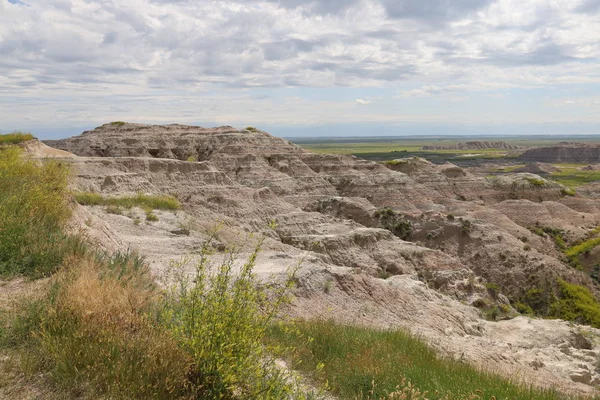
{"x": 303, "y": 67}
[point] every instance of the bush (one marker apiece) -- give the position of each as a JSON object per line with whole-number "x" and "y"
{"x": 568, "y": 192}
{"x": 251, "y": 129}
{"x": 34, "y": 208}
{"x": 220, "y": 318}
{"x": 15, "y": 138}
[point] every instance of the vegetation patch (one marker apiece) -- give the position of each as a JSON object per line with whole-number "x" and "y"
{"x": 538, "y": 182}
{"x": 572, "y": 176}
{"x": 34, "y": 208}
{"x": 147, "y": 202}
{"x": 576, "y": 303}
{"x": 251, "y": 129}
{"x": 363, "y": 363}
{"x": 15, "y": 138}
{"x": 118, "y": 123}
{"x": 394, "y": 222}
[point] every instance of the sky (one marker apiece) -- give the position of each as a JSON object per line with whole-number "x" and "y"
{"x": 303, "y": 67}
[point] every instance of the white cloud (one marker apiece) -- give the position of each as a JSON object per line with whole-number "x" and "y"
{"x": 160, "y": 50}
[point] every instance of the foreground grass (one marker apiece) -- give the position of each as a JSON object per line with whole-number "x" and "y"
{"x": 144, "y": 201}
{"x": 34, "y": 207}
{"x": 361, "y": 363}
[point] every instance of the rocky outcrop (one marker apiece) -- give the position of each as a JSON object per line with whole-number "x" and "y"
{"x": 568, "y": 153}
{"x": 406, "y": 243}
{"x": 474, "y": 145}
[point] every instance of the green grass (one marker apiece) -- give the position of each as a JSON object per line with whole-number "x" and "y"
{"x": 118, "y": 123}
{"x": 15, "y": 138}
{"x": 148, "y": 202}
{"x": 349, "y": 359}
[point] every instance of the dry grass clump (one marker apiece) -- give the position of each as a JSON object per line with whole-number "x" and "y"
{"x": 97, "y": 333}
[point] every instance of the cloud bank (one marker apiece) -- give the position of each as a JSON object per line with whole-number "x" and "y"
{"x": 71, "y": 61}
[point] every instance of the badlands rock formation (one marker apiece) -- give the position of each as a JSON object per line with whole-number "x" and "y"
{"x": 475, "y": 145}
{"x": 427, "y": 247}
{"x": 567, "y": 153}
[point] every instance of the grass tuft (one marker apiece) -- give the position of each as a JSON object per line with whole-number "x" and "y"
{"x": 147, "y": 202}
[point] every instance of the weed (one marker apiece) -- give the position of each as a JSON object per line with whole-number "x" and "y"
{"x": 118, "y": 123}
{"x": 251, "y": 129}
{"x": 568, "y": 192}
{"x": 192, "y": 159}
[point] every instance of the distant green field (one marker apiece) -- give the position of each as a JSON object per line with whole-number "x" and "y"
{"x": 570, "y": 175}
{"x": 384, "y": 149}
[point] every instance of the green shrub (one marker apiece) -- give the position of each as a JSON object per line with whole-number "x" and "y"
{"x": 118, "y": 123}
{"x": 576, "y": 303}
{"x": 220, "y": 318}
{"x": 568, "y": 192}
{"x": 15, "y": 138}
{"x": 251, "y": 129}
{"x": 394, "y": 222}
{"x": 34, "y": 208}
{"x": 149, "y": 202}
